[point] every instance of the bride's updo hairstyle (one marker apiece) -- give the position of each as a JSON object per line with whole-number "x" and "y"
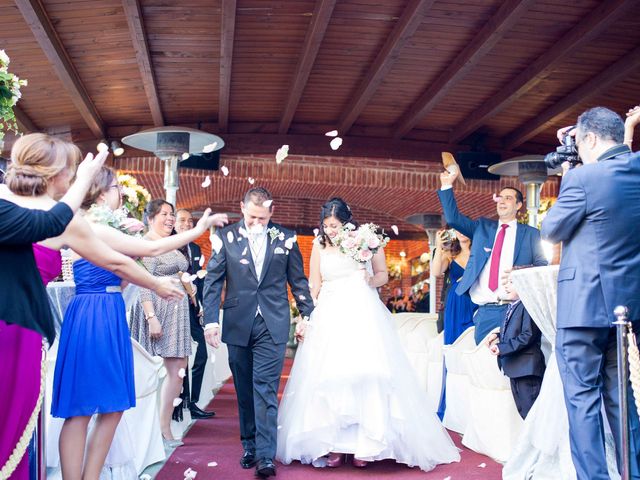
{"x": 36, "y": 159}
{"x": 335, "y": 207}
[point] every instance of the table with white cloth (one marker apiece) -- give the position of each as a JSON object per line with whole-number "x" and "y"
{"x": 542, "y": 451}
{"x": 138, "y": 440}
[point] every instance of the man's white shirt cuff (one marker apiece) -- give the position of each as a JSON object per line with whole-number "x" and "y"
{"x": 446, "y": 187}
{"x": 209, "y": 326}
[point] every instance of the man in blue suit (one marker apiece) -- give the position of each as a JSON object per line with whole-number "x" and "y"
{"x": 596, "y": 218}
{"x": 496, "y": 246}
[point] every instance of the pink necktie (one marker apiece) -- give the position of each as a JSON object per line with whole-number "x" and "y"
{"x": 495, "y": 258}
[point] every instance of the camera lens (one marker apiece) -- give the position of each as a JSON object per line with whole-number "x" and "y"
{"x": 553, "y": 160}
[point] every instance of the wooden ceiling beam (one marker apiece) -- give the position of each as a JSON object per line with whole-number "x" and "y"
{"x": 42, "y": 29}
{"x": 228, "y": 27}
{"x": 611, "y": 75}
{"x": 585, "y": 31}
{"x": 407, "y": 24}
{"x": 313, "y": 40}
{"x": 492, "y": 32}
{"x": 25, "y": 124}
{"x": 133, "y": 13}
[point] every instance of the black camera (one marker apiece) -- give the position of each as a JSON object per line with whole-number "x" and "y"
{"x": 567, "y": 152}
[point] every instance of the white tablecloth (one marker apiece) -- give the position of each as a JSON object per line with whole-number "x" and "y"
{"x": 542, "y": 451}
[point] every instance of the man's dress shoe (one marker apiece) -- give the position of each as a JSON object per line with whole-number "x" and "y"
{"x": 197, "y": 413}
{"x": 248, "y": 459}
{"x": 265, "y": 468}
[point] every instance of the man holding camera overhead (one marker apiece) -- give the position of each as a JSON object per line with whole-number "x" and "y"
{"x": 596, "y": 217}
{"x": 496, "y": 246}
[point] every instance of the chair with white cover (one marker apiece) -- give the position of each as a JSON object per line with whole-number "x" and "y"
{"x": 434, "y": 370}
{"x": 494, "y": 422}
{"x": 415, "y": 331}
{"x": 456, "y": 415}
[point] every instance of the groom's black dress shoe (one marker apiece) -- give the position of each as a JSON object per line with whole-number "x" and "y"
{"x": 265, "y": 468}
{"x": 198, "y": 414}
{"x": 248, "y": 459}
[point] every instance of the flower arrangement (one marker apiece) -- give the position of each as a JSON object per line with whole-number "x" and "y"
{"x": 117, "y": 219}
{"x": 361, "y": 243}
{"x": 134, "y": 195}
{"x": 9, "y": 95}
{"x": 275, "y": 233}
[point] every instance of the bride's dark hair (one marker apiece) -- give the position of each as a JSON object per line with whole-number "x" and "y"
{"x": 335, "y": 207}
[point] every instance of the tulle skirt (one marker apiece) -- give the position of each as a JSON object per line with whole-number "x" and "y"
{"x": 352, "y": 389}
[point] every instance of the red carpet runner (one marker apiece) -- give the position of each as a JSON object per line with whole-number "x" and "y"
{"x": 218, "y": 440}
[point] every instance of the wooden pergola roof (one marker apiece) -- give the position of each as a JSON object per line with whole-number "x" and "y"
{"x": 398, "y": 78}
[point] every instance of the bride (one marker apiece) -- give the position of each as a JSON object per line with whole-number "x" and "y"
{"x": 351, "y": 388}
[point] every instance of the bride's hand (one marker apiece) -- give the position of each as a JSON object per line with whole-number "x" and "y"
{"x": 301, "y": 328}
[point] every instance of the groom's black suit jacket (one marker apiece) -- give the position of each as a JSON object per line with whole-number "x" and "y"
{"x": 245, "y": 292}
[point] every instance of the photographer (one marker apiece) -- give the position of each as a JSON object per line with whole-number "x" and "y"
{"x": 596, "y": 217}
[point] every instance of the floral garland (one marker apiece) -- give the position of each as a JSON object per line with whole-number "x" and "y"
{"x": 134, "y": 195}
{"x": 9, "y": 95}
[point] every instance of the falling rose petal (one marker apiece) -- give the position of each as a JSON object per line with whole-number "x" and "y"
{"x": 336, "y": 143}
{"x": 257, "y": 229}
{"x": 201, "y": 261}
{"x": 185, "y": 155}
{"x": 483, "y": 465}
{"x": 230, "y": 237}
{"x": 302, "y": 297}
{"x": 332, "y": 133}
{"x": 496, "y": 198}
{"x": 243, "y": 232}
{"x": 182, "y": 373}
{"x": 212, "y": 464}
{"x": 251, "y": 180}
{"x": 185, "y": 277}
{"x": 316, "y": 232}
{"x": 201, "y": 274}
{"x": 281, "y": 236}
{"x": 395, "y": 229}
{"x": 244, "y": 261}
{"x": 207, "y": 182}
{"x": 267, "y": 203}
{"x": 177, "y": 401}
{"x": 145, "y": 476}
{"x": 279, "y": 427}
{"x": 212, "y": 357}
{"x": 447, "y": 478}
{"x": 210, "y": 148}
{"x": 224, "y": 170}
{"x": 310, "y": 285}
{"x": 216, "y": 243}
{"x": 282, "y": 153}
{"x": 193, "y": 278}
{"x": 244, "y": 252}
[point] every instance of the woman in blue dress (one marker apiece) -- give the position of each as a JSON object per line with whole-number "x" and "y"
{"x": 451, "y": 255}
{"x": 94, "y": 365}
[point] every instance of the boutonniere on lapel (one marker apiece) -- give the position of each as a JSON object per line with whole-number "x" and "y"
{"x": 275, "y": 233}
{"x": 487, "y": 249}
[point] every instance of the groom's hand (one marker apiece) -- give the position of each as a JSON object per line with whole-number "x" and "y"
{"x": 212, "y": 335}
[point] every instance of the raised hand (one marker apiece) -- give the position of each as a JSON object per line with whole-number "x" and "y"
{"x": 447, "y": 178}
{"x": 207, "y": 221}
{"x": 90, "y": 166}
{"x": 570, "y": 130}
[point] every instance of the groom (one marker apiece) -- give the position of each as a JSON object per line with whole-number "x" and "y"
{"x": 257, "y": 259}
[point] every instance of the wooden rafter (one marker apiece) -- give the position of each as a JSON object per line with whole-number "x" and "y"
{"x": 133, "y": 12}
{"x": 598, "y": 84}
{"x": 315, "y": 34}
{"x": 42, "y": 29}
{"x": 407, "y": 25}
{"x": 24, "y": 122}
{"x": 585, "y": 31}
{"x": 500, "y": 23}
{"x": 228, "y": 26}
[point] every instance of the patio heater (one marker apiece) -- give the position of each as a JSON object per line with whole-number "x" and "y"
{"x": 170, "y": 144}
{"x": 431, "y": 222}
{"x": 533, "y": 172}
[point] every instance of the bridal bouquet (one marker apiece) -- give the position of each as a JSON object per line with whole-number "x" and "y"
{"x": 361, "y": 243}
{"x": 134, "y": 196}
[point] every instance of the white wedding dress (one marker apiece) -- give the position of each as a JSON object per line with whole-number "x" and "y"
{"x": 351, "y": 388}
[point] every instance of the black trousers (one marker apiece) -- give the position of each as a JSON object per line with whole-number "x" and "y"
{"x": 200, "y": 361}
{"x": 525, "y": 390}
{"x": 256, "y": 371}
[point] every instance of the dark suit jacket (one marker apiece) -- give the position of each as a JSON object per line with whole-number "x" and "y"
{"x": 245, "y": 292}
{"x": 597, "y": 217}
{"x": 23, "y": 298}
{"x": 520, "y": 353}
{"x": 196, "y": 253}
{"x": 482, "y": 232}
